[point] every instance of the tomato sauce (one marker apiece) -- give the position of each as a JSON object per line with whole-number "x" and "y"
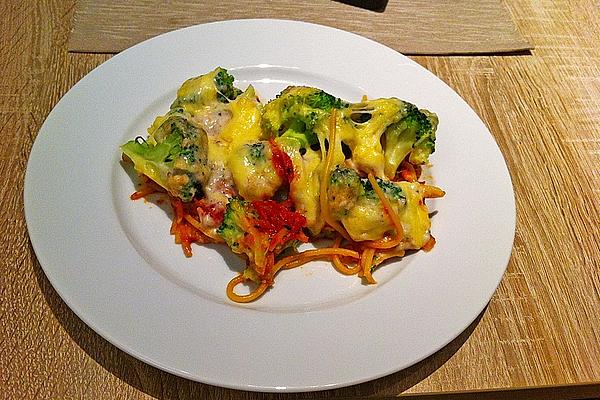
{"x": 273, "y": 217}
{"x": 213, "y": 210}
{"x": 281, "y": 162}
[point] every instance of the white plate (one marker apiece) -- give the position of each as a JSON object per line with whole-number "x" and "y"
{"x": 114, "y": 263}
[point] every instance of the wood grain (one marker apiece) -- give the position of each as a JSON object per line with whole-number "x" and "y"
{"x": 540, "y": 330}
{"x": 409, "y": 26}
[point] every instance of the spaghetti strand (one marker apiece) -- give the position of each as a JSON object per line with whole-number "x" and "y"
{"x": 244, "y": 298}
{"x": 325, "y": 178}
{"x": 339, "y": 265}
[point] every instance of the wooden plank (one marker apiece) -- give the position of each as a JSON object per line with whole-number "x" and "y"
{"x": 570, "y": 392}
{"x": 411, "y": 27}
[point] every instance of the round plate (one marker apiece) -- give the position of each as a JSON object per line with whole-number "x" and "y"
{"x": 114, "y": 263}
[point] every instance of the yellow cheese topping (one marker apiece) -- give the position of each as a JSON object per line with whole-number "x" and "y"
{"x": 239, "y": 120}
{"x": 237, "y": 144}
{"x": 364, "y": 138}
{"x": 304, "y": 189}
{"x": 367, "y": 220}
{"x": 243, "y": 127}
{"x": 253, "y": 172}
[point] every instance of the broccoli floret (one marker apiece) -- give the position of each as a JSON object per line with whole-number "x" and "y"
{"x": 324, "y": 101}
{"x": 343, "y": 176}
{"x": 366, "y": 218}
{"x": 188, "y": 191}
{"x": 256, "y": 152}
{"x": 188, "y": 153}
{"x": 254, "y": 172}
{"x": 413, "y": 135}
{"x": 254, "y": 229}
{"x": 298, "y": 130}
{"x": 425, "y": 143}
{"x": 174, "y": 155}
{"x": 344, "y": 189}
{"x": 205, "y": 90}
{"x": 231, "y": 230}
{"x": 300, "y": 111}
{"x": 391, "y": 190}
{"x": 224, "y": 83}
{"x": 239, "y": 214}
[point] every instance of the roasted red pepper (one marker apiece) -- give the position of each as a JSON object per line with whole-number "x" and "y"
{"x": 281, "y": 162}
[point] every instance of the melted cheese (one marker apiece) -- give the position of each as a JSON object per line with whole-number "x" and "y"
{"x": 364, "y": 139}
{"x": 367, "y": 220}
{"x": 304, "y": 189}
{"x": 254, "y": 177}
{"x": 232, "y": 126}
{"x": 199, "y": 92}
{"x": 414, "y": 216}
{"x": 240, "y": 125}
{"x": 243, "y": 127}
{"x": 229, "y": 125}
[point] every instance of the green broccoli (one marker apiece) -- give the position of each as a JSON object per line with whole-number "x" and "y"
{"x": 189, "y": 153}
{"x": 298, "y": 131}
{"x": 231, "y": 229}
{"x": 324, "y": 101}
{"x": 253, "y": 171}
{"x": 252, "y": 228}
{"x": 256, "y": 152}
{"x": 174, "y": 155}
{"x": 206, "y": 90}
{"x": 413, "y": 135}
{"x": 389, "y": 188}
{"x": 425, "y": 143}
{"x": 344, "y": 189}
{"x": 300, "y": 112}
{"x": 224, "y": 83}
{"x": 343, "y": 176}
{"x": 365, "y": 217}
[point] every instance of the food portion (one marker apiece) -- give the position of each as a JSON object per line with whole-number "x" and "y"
{"x": 306, "y": 166}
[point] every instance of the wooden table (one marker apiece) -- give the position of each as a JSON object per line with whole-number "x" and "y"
{"x": 538, "y": 338}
